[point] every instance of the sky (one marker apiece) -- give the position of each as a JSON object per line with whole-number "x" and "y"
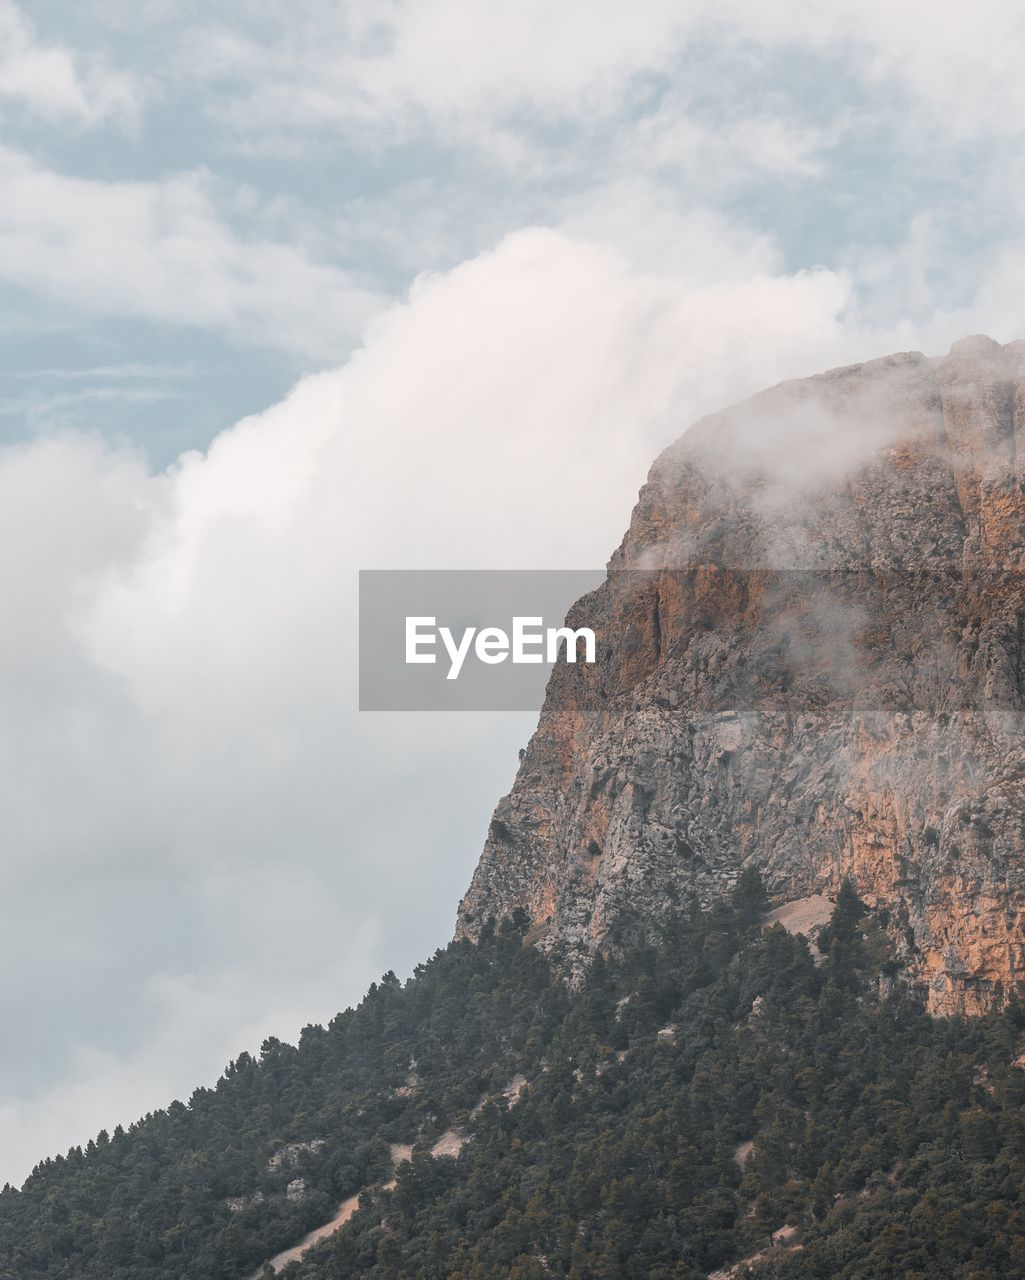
{"x": 290, "y": 291}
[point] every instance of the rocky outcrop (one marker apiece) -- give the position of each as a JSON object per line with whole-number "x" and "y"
{"x": 811, "y": 657}
{"x": 293, "y": 1153}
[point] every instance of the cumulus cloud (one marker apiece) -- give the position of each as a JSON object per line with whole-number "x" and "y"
{"x": 203, "y": 840}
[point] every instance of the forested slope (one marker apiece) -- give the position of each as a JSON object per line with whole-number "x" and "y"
{"x": 884, "y": 1142}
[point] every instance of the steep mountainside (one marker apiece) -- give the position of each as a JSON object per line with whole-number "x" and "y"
{"x": 811, "y": 659}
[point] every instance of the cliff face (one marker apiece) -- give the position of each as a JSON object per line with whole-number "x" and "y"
{"x": 811, "y": 657}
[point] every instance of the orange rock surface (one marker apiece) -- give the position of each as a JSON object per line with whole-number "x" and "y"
{"x": 811, "y": 657}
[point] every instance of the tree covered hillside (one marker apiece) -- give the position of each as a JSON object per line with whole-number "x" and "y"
{"x": 721, "y": 1096}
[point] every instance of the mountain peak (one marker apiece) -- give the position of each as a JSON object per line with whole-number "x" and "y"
{"x": 976, "y": 344}
{"x": 811, "y": 661}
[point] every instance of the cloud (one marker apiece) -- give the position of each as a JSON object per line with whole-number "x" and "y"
{"x": 163, "y": 251}
{"x": 385, "y": 65}
{"x": 493, "y": 78}
{"x": 197, "y": 1018}
{"x": 960, "y": 69}
{"x": 57, "y": 84}
{"x": 203, "y": 841}
{"x": 678, "y": 139}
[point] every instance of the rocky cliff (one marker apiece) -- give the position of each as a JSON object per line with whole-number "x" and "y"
{"x": 811, "y": 657}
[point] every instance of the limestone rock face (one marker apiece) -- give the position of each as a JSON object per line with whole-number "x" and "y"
{"x": 811, "y": 657}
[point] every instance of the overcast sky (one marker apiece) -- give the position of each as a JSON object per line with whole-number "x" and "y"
{"x": 289, "y": 290}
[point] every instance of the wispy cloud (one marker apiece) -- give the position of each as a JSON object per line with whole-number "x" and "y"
{"x": 165, "y": 252}
{"x": 449, "y": 68}
{"x": 58, "y": 84}
{"x": 119, "y": 372}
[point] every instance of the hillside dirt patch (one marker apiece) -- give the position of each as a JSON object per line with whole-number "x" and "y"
{"x": 399, "y": 1153}
{"x": 803, "y": 915}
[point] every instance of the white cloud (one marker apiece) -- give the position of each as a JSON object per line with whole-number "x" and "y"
{"x": 457, "y": 71}
{"x": 57, "y": 84}
{"x": 959, "y": 61}
{"x": 163, "y": 251}
{"x": 197, "y": 1019}
{"x": 197, "y": 825}
{"x": 721, "y": 154}
{"x": 384, "y": 65}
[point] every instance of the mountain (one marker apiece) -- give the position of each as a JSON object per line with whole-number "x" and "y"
{"x": 811, "y": 660}
{"x": 705, "y": 1015}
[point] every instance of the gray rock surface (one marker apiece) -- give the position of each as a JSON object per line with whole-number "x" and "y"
{"x": 811, "y": 657}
